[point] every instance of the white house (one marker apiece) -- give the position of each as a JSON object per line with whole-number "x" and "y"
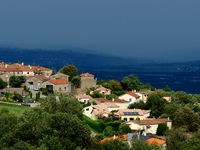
{"x": 130, "y": 97}
{"x": 148, "y": 126}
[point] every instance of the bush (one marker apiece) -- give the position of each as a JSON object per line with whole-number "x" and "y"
{"x": 108, "y": 131}
{"x": 162, "y": 128}
{"x": 93, "y": 124}
{"x": 17, "y": 97}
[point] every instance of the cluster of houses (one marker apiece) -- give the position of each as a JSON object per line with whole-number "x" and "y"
{"x": 40, "y": 77}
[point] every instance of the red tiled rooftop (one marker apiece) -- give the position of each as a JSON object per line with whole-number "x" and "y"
{"x": 102, "y": 100}
{"x": 87, "y": 75}
{"x": 133, "y": 94}
{"x": 59, "y": 81}
{"x": 159, "y": 142}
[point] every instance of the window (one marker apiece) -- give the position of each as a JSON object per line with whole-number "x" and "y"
{"x": 125, "y": 119}
{"x": 131, "y": 118}
{"x": 130, "y": 99}
{"x": 27, "y": 72}
{"x": 65, "y": 88}
{"x": 87, "y": 109}
{"x": 137, "y": 118}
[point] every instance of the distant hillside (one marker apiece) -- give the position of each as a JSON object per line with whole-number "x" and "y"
{"x": 59, "y": 58}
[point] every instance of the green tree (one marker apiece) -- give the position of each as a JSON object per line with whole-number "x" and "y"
{"x": 185, "y": 117}
{"x": 17, "y": 97}
{"x": 132, "y": 82}
{"x": 76, "y": 81}
{"x": 156, "y": 104}
{"x": 16, "y": 81}
{"x": 114, "y": 145}
{"x": 125, "y": 129}
{"x": 115, "y": 86}
{"x": 175, "y": 138}
{"x": 161, "y": 129}
{"x": 3, "y": 84}
{"x": 70, "y": 70}
{"x": 61, "y": 103}
{"x": 108, "y": 131}
{"x": 139, "y": 104}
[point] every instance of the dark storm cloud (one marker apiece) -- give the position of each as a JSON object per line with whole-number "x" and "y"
{"x": 165, "y": 30}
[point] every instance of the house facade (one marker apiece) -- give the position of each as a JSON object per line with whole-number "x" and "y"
{"x": 130, "y": 97}
{"x": 57, "y": 85}
{"x": 148, "y": 126}
{"x": 35, "y": 82}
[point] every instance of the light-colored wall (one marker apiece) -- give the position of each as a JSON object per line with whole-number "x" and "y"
{"x": 127, "y": 97}
{"x": 123, "y": 105}
{"x": 47, "y": 73}
{"x": 83, "y": 100}
{"x": 28, "y": 73}
{"x": 134, "y": 117}
{"x": 87, "y": 111}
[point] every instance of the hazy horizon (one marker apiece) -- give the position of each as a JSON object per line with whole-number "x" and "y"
{"x": 151, "y": 30}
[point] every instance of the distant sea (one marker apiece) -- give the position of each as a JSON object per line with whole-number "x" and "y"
{"x": 188, "y": 83}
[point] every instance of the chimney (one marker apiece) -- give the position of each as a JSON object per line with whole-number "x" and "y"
{"x": 22, "y": 63}
{"x": 6, "y": 65}
{"x": 114, "y": 137}
{"x": 113, "y": 99}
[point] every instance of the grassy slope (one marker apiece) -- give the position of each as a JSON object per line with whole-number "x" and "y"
{"x": 15, "y": 109}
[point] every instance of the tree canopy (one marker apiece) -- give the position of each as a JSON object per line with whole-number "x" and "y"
{"x": 3, "y": 84}
{"x": 70, "y": 70}
{"x": 132, "y": 82}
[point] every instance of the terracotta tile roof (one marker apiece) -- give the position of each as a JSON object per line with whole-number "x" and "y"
{"x": 40, "y": 68}
{"x": 158, "y": 141}
{"x": 102, "y": 100}
{"x": 109, "y": 105}
{"x": 79, "y": 96}
{"x": 100, "y": 110}
{"x": 86, "y": 75}
{"x": 122, "y": 138}
{"x": 59, "y": 81}
{"x": 42, "y": 77}
{"x": 117, "y": 100}
{"x": 151, "y": 121}
{"x": 133, "y": 94}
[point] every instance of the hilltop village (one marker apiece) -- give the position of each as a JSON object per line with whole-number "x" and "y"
{"x": 108, "y": 114}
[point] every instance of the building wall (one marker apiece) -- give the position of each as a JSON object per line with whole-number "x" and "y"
{"x": 59, "y": 87}
{"x": 128, "y": 98}
{"x": 60, "y": 76}
{"x": 36, "y": 82}
{"x": 47, "y": 73}
{"x": 129, "y": 117}
{"x": 87, "y": 82}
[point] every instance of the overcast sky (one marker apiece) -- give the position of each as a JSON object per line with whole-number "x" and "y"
{"x": 146, "y": 29}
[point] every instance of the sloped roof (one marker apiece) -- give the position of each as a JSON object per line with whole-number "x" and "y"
{"x": 131, "y": 93}
{"x": 86, "y": 75}
{"x": 140, "y": 111}
{"x": 123, "y": 138}
{"x": 117, "y": 100}
{"x": 102, "y": 100}
{"x": 40, "y": 68}
{"x": 59, "y": 81}
{"x": 151, "y": 121}
{"x": 152, "y": 140}
{"x": 109, "y": 105}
